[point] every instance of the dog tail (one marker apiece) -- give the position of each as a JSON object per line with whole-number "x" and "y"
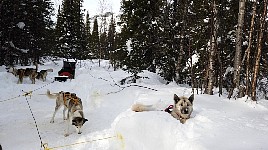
{"x": 51, "y": 96}
{"x": 140, "y": 107}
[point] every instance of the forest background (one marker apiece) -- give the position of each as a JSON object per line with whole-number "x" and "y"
{"x": 206, "y": 44}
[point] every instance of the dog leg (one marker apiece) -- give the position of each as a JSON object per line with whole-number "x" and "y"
{"x": 64, "y": 110}
{"x": 56, "y": 109}
{"x": 175, "y": 115}
{"x": 67, "y": 130}
{"x": 19, "y": 81}
{"x": 33, "y": 80}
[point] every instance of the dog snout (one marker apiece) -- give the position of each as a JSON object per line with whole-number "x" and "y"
{"x": 182, "y": 121}
{"x": 78, "y": 130}
{"x": 185, "y": 111}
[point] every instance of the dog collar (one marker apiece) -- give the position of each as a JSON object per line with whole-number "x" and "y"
{"x": 169, "y": 108}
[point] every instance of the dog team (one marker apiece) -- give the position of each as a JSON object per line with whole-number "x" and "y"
{"x": 31, "y": 73}
{"x": 180, "y": 110}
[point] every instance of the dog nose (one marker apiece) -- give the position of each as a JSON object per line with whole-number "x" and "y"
{"x": 185, "y": 111}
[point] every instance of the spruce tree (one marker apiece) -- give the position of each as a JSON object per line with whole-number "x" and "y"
{"x": 24, "y": 28}
{"x": 141, "y": 19}
{"x": 111, "y": 38}
{"x": 95, "y": 39}
{"x": 71, "y": 32}
{"x": 88, "y": 53}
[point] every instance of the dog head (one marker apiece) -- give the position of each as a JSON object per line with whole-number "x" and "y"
{"x": 183, "y": 107}
{"x": 12, "y": 70}
{"x": 78, "y": 122}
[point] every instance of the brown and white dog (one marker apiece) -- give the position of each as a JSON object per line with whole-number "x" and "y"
{"x": 74, "y": 105}
{"x": 24, "y": 73}
{"x": 181, "y": 110}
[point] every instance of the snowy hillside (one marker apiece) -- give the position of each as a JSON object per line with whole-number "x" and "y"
{"x": 216, "y": 122}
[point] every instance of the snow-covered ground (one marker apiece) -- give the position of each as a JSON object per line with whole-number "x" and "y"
{"x": 216, "y": 122}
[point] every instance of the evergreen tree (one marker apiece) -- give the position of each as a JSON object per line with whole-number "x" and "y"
{"x": 166, "y": 57}
{"x": 111, "y": 38}
{"x": 119, "y": 55}
{"x": 88, "y": 53}
{"x": 24, "y": 28}
{"x": 71, "y": 31}
{"x": 95, "y": 39}
{"x": 59, "y": 33}
{"x": 103, "y": 54}
{"x": 141, "y": 19}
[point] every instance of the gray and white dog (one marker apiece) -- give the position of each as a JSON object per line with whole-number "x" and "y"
{"x": 74, "y": 105}
{"x": 181, "y": 110}
{"x": 42, "y": 75}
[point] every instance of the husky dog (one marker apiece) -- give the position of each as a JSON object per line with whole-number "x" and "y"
{"x": 73, "y": 103}
{"x": 24, "y": 73}
{"x": 12, "y": 70}
{"x": 28, "y": 72}
{"x": 182, "y": 108}
{"x": 43, "y": 74}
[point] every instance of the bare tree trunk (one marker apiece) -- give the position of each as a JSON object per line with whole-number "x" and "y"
{"x": 247, "y": 53}
{"x": 192, "y": 71}
{"x": 213, "y": 48}
{"x": 259, "y": 46}
{"x": 237, "y": 59}
{"x": 220, "y": 73}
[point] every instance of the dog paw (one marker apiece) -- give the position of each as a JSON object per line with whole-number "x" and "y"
{"x": 52, "y": 121}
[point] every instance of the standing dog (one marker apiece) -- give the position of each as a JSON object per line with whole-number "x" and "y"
{"x": 28, "y": 72}
{"x": 73, "y": 103}
{"x": 182, "y": 108}
{"x": 24, "y": 73}
{"x": 43, "y": 74}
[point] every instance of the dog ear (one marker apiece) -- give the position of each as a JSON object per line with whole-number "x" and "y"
{"x": 85, "y": 120}
{"x": 191, "y": 98}
{"x": 73, "y": 122}
{"x": 176, "y": 98}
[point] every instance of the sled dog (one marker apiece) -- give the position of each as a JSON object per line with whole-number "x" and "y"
{"x": 42, "y": 75}
{"x": 24, "y": 73}
{"x": 70, "y": 101}
{"x": 28, "y": 72}
{"x": 182, "y": 108}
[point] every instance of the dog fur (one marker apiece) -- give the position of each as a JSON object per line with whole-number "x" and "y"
{"x": 42, "y": 75}
{"x": 70, "y": 101}
{"x": 182, "y": 109}
{"x": 23, "y": 73}
{"x": 28, "y": 72}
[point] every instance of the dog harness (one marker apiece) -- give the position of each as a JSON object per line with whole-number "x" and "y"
{"x": 72, "y": 96}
